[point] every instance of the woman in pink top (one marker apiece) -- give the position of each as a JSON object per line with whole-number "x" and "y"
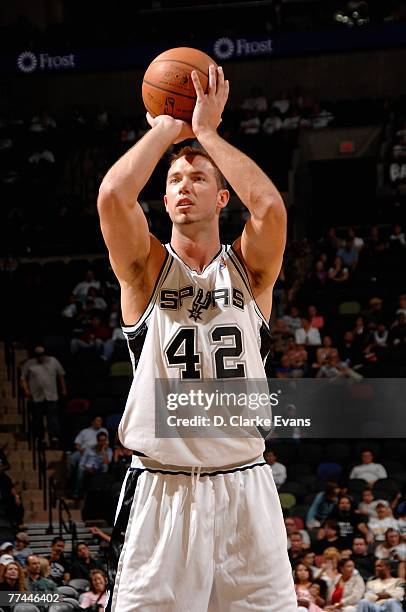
{"x": 303, "y": 583}
{"x": 98, "y": 591}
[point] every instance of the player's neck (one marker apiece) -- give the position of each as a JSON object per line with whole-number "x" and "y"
{"x": 196, "y": 250}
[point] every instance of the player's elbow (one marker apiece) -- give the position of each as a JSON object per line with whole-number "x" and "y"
{"x": 106, "y": 196}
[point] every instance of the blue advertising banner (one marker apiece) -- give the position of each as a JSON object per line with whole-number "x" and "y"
{"x": 223, "y": 49}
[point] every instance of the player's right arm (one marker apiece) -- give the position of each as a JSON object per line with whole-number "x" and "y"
{"x": 136, "y": 256}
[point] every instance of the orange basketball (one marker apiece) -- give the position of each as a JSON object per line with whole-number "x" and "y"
{"x": 167, "y": 87}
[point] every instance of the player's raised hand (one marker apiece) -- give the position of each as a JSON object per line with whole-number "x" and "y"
{"x": 209, "y": 107}
{"x": 181, "y": 129}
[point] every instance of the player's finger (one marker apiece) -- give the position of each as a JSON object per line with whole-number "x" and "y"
{"x": 220, "y": 80}
{"x": 226, "y": 90}
{"x": 212, "y": 79}
{"x": 197, "y": 85}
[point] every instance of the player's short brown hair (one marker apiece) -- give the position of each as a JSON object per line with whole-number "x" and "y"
{"x": 190, "y": 153}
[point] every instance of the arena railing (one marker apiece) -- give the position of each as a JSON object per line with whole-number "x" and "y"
{"x": 65, "y": 526}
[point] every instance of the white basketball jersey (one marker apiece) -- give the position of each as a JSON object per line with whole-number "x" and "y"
{"x": 196, "y": 326}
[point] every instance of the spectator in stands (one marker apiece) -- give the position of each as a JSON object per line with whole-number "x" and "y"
{"x": 86, "y": 438}
{"x": 349, "y": 254}
{"x": 293, "y": 320}
{"x": 364, "y": 560}
{"x": 309, "y": 558}
{"x": 350, "y": 350}
{"x": 45, "y": 567}
{"x": 121, "y": 458}
{"x": 329, "y": 536}
{"x": 297, "y": 548}
{"x": 368, "y": 503}
{"x": 42, "y": 122}
{"x": 291, "y": 527}
{"x": 35, "y": 582}
{"x": 256, "y": 101}
{"x": 374, "y": 315}
{"x": 338, "y": 273}
{"x": 99, "y": 302}
{"x": 323, "y": 352}
{"x": 39, "y": 381}
{"x": 319, "y": 276}
{"x": 397, "y": 237}
{"x": 272, "y": 123}
{"x": 322, "y": 505}
{"x": 397, "y": 334}
{"x": 303, "y": 582}
{"x": 384, "y": 521}
{"x": 100, "y": 534}
{"x": 383, "y": 593}
{"x": 7, "y": 548}
{"x": 357, "y": 240}
{"x": 250, "y": 125}
{"x": 402, "y": 304}
{"x": 116, "y": 342}
{"x": 329, "y": 566}
{"x": 346, "y": 589}
{"x": 93, "y": 337}
{"x": 22, "y": 547}
{"x": 307, "y": 335}
{"x": 318, "y": 590}
{"x": 350, "y": 524}
{"x": 12, "y": 580}
{"x": 335, "y": 367}
{"x": 392, "y": 548}
{"x": 95, "y": 460}
{"x": 298, "y": 357}
{"x": 368, "y": 470}
{"x": 278, "y": 469}
{"x": 71, "y": 309}
{"x": 84, "y": 562}
{"x": 281, "y": 333}
{"x": 316, "y": 319}
{"x": 359, "y": 331}
{"x": 284, "y": 369}
{"x": 97, "y": 595}
{"x": 59, "y": 565}
{"x": 81, "y": 289}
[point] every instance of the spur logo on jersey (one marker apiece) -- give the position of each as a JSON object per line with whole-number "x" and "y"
{"x": 172, "y": 299}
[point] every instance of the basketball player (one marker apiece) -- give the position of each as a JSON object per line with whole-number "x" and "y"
{"x": 199, "y": 525}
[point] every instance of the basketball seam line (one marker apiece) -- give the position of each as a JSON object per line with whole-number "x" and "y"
{"x": 180, "y": 62}
{"x": 175, "y": 93}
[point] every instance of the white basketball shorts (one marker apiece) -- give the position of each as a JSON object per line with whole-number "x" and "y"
{"x": 199, "y": 540}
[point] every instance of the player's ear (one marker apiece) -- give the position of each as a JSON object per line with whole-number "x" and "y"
{"x": 223, "y": 198}
{"x": 165, "y": 201}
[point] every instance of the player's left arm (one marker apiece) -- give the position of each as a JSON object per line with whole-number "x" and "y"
{"x": 262, "y": 242}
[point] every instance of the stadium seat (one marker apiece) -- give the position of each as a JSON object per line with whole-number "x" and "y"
{"x": 296, "y": 471}
{"x": 338, "y": 452}
{"x": 349, "y": 308}
{"x": 287, "y": 500}
{"x": 68, "y": 591}
{"x": 80, "y": 584}
{"x": 392, "y": 466}
{"x": 299, "y": 512}
{"x": 329, "y": 471}
{"x": 71, "y": 601}
{"x": 26, "y": 607}
{"x": 386, "y": 484}
{"x": 357, "y": 484}
{"x": 400, "y": 476}
{"x": 121, "y": 368}
{"x": 309, "y": 453}
{"x": 296, "y": 488}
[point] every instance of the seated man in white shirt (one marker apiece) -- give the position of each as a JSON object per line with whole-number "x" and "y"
{"x": 384, "y": 521}
{"x": 307, "y": 335}
{"x": 383, "y": 593}
{"x": 278, "y": 469}
{"x": 368, "y": 470}
{"x": 86, "y": 438}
